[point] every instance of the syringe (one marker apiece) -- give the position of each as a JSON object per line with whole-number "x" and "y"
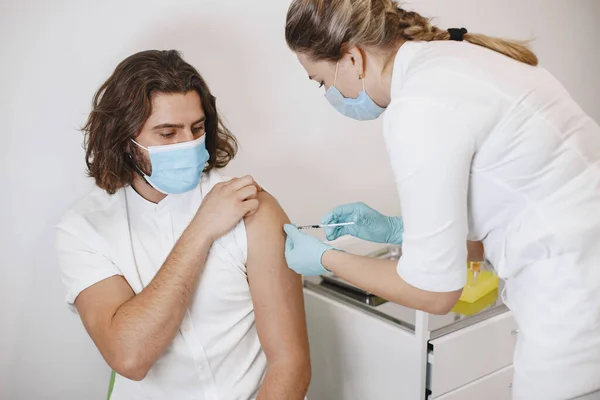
{"x": 321, "y": 226}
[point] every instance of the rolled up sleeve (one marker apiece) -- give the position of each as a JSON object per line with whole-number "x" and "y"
{"x": 80, "y": 265}
{"x": 431, "y": 151}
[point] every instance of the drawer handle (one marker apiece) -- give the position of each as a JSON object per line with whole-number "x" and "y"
{"x": 514, "y": 332}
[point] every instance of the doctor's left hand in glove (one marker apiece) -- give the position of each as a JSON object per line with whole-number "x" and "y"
{"x": 304, "y": 253}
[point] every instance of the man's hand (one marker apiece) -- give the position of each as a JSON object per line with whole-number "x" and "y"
{"x": 225, "y": 205}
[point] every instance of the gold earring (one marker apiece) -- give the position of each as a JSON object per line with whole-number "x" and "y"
{"x": 361, "y": 76}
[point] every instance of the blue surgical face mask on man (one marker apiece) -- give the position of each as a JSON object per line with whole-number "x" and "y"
{"x": 176, "y": 168}
{"x": 362, "y": 108}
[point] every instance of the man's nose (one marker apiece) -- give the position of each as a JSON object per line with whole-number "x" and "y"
{"x": 188, "y": 135}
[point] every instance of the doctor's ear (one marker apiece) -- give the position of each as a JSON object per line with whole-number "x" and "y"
{"x": 357, "y": 58}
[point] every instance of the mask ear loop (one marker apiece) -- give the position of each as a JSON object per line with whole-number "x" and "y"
{"x": 362, "y": 78}
{"x": 139, "y": 145}
{"x": 137, "y": 169}
{"x": 141, "y": 173}
{"x": 337, "y": 67}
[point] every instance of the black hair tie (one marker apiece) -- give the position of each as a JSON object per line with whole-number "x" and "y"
{"x": 457, "y": 34}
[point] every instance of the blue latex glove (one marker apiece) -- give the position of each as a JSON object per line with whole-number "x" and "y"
{"x": 368, "y": 225}
{"x": 304, "y": 252}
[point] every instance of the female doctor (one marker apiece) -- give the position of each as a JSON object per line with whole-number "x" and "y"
{"x": 484, "y": 146}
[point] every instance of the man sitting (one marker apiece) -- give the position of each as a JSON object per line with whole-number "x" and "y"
{"x": 178, "y": 274}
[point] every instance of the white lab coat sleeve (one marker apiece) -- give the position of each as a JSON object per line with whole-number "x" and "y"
{"x": 431, "y": 147}
{"x": 80, "y": 265}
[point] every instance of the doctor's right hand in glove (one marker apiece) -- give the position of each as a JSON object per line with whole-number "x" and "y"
{"x": 369, "y": 224}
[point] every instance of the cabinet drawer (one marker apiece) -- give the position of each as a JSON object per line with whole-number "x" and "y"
{"x": 496, "y": 386}
{"x": 464, "y": 356}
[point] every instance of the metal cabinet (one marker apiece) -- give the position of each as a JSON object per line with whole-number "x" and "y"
{"x": 470, "y": 355}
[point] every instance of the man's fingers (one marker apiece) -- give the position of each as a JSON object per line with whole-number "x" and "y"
{"x": 250, "y": 207}
{"x": 247, "y": 192}
{"x": 238, "y": 183}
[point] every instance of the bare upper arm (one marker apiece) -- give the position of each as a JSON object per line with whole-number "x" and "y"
{"x": 97, "y": 306}
{"x": 276, "y": 290}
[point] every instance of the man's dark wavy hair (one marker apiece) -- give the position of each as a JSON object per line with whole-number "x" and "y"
{"x": 123, "y": 104}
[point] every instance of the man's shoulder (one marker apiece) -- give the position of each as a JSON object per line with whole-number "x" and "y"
{"x": 94, "y": 201}
{"x": 270, "y": 217}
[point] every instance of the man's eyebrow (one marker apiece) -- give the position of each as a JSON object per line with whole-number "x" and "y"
{"x": 178, "y": 126}
{"x": 162, "y": 126}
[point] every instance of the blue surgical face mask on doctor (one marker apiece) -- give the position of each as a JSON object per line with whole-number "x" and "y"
{"x": 176, "y": 168}
{"x": 362, "y": 108}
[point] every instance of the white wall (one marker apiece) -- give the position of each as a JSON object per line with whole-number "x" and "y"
{"x": 54, "y": 55}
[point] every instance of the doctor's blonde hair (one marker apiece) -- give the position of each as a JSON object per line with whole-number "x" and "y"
{"x": 323, "y": 29}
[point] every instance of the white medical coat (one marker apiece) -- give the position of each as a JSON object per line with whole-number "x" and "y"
{"x": 487, "y": 148}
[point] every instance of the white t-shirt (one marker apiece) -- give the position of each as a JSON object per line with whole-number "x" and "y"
{"x": 216, "y": 355}
{"x": 487, "y": 148}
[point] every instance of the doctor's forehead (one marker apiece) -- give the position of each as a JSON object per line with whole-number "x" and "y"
{"x": 311, "y": 67}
